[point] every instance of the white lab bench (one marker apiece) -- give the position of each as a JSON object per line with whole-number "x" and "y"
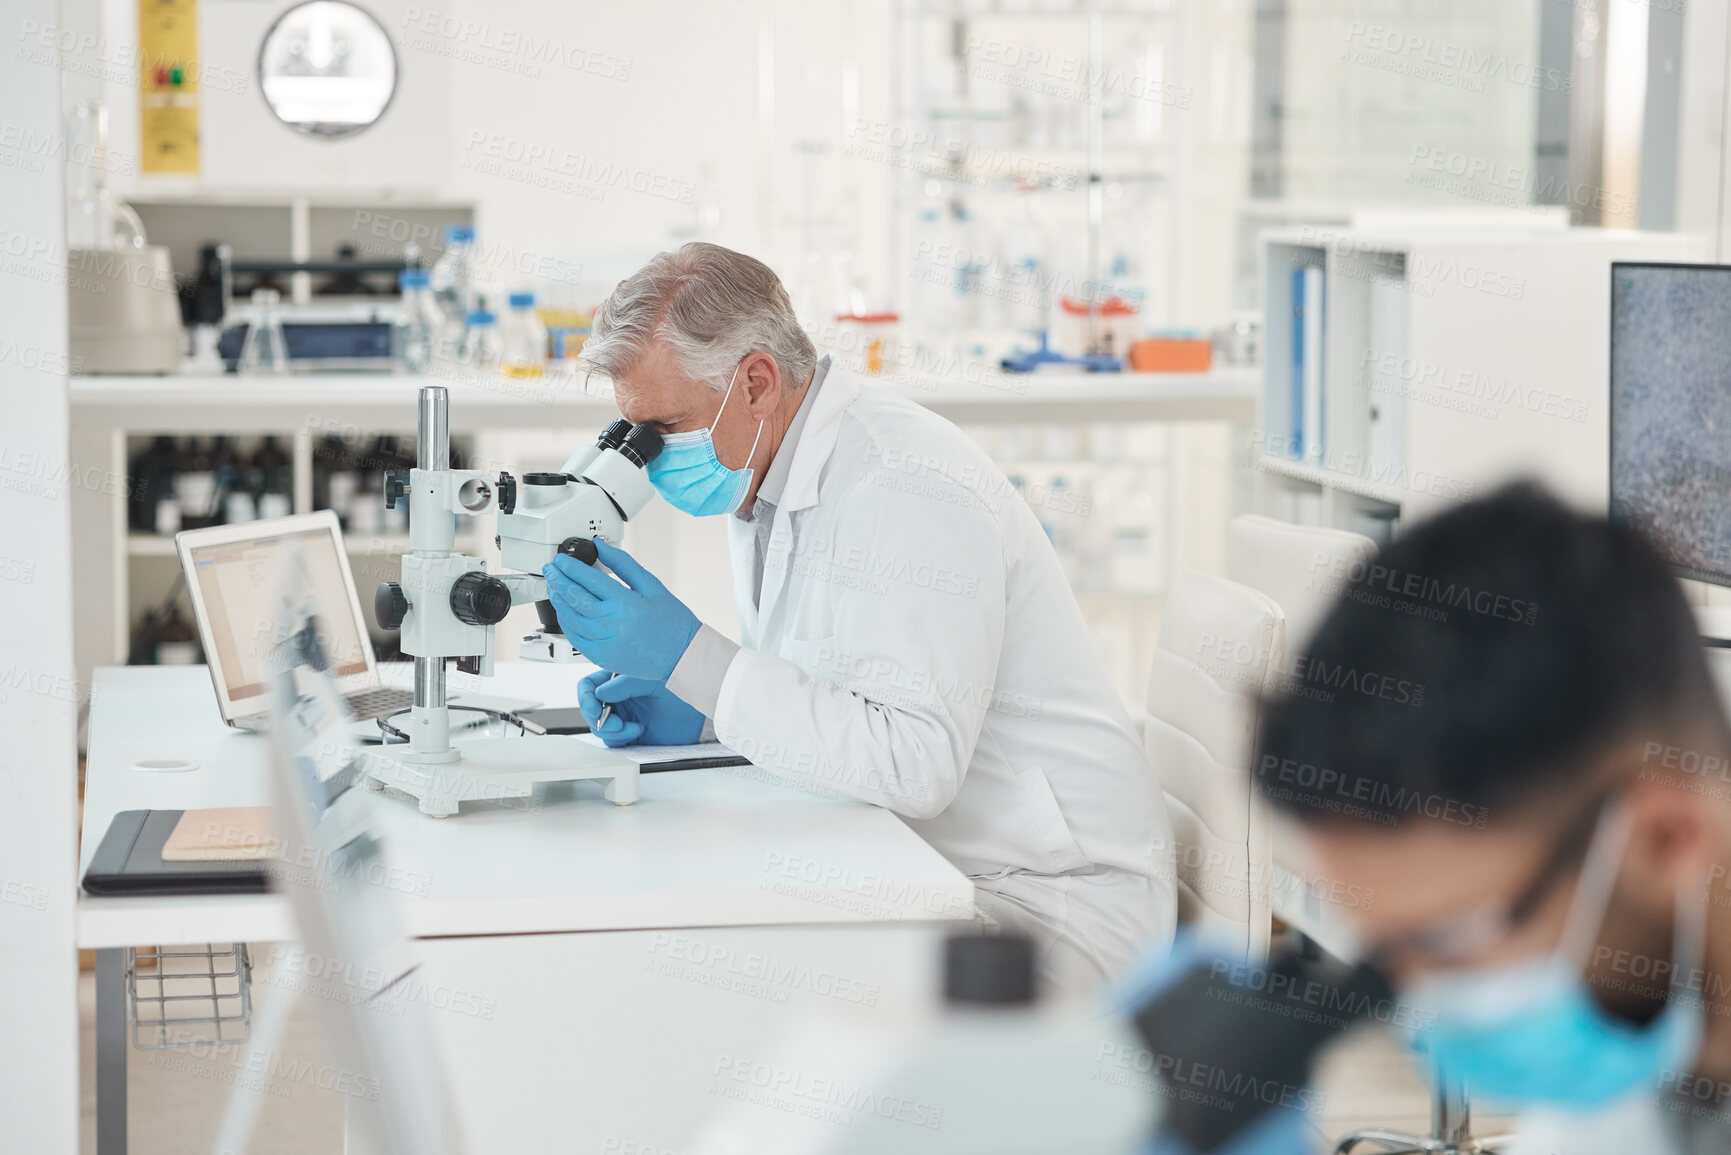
{"x": 624, "y": 1042}
{"x": 703, "y": 853}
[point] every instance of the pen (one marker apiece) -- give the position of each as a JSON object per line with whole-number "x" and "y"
{"x": 606, "y": 712}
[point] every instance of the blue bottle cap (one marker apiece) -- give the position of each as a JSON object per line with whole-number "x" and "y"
{"x": 481, "y": 317}
{"x": 413, "y": 279}
{"x": 522, "y": 300}
{"x": 459, "y": 233}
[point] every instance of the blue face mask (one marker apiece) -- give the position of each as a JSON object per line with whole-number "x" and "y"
{"x": 691, "y": 478}
{"x": 1533, "y": 1033}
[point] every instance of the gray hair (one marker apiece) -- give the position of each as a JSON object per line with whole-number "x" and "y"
{"x": 711, "y": 307}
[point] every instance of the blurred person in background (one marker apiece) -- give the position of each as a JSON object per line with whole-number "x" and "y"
{"x": 1547, "y": 835}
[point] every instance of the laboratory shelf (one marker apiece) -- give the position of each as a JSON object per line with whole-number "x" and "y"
{"x": 1327, "y": 478}
{"x": 367, "y": 544}
{"x": 999, "y": 11}
{"x": 110, "y": 414}
{"x": 326, "y": 402}
{"x": 149, "y": 545}
{"x": 1228, "y": 394}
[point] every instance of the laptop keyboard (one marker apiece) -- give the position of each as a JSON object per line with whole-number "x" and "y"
{"x": 380, "y": 703}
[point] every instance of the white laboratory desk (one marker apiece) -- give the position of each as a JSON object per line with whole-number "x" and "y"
{"x": 701, "y": 849}
{"x": 678, "y": 1011}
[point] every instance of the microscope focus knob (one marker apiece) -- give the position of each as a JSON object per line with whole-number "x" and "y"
{"x": 390, "y": 604}
{"x": 480, "y": 599}
{"x": 581, "y": 548}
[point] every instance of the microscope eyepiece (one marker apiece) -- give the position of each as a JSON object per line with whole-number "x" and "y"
{"x": 614, "y": 435}
{"x": 641, "y": 446}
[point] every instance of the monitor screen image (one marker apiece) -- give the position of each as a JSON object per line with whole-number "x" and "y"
{"x": 1671, "y": 411}
{"x": 238, "y": 584}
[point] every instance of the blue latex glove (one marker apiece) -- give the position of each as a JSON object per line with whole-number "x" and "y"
{"x": 643, "y": 711}
{"x": 628, "y": 624}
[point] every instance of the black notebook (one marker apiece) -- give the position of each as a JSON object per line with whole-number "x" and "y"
{"x": 129, "y": 861}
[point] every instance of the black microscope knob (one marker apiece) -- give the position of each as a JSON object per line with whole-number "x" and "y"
{"x": 390, "y": 604}
{"x": 507, "y": 493}
{"x": 581, "y": 548}
{"x": 396, "y": 486}
{"x": 480, "y": 599}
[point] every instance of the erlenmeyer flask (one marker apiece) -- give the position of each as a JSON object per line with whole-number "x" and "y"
{"x": 264, "y": 352}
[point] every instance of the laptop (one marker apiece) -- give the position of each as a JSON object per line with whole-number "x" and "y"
{"x": 232, "y": 576}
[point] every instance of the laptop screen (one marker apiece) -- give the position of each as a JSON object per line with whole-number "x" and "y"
{"x": 238, "y": 583}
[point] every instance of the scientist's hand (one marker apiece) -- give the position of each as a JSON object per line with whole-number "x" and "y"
{"x": 630, "y": 625}
{"x": 643, "y": 711}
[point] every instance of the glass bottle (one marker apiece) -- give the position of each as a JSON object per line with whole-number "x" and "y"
{"x": 480, "y": 347}
{"x": 524, "y": 339}
{"x": 418, "y": 322}
{"x": 275, "y": 482}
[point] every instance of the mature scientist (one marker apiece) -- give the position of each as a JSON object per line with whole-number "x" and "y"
{"x": 907, "y": 635}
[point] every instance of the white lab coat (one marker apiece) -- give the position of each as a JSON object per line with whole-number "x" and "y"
{"x": 916, "y": 645}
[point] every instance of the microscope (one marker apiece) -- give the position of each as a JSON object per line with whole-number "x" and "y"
{"x": 447, "y": 604}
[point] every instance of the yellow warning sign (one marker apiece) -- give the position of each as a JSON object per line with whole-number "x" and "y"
{"x": 168, "y": 86}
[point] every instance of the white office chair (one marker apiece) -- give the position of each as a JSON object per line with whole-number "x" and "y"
{"x": 1218, "y": 642}
{"x": 1300, "y": 567}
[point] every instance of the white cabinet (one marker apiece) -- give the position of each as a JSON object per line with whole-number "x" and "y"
{"x": 1454, "y": 360}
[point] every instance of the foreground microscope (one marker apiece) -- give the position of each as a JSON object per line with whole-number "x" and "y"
{"x": 447, "y": 604}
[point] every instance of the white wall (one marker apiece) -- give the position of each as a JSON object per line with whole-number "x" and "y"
{"x": 38, "y": 695}
{"x": 665, "y": 116}
{"x": 665, "y": 93}
{"x": 1372, "y": 83}
{"x": 677, "y": 107}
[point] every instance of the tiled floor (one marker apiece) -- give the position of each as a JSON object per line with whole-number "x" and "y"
{"x": 176, "y": 1099}
{"x": 1368, "y": 1081}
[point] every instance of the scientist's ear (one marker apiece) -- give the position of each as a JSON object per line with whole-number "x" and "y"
{"x": 761, "y": 377}
{"x": 1676, "y": 837}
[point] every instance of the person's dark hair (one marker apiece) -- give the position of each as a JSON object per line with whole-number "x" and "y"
{"x": 1529, "y": 639}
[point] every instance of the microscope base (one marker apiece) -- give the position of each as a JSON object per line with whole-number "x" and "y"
{"x": 493, "y": 769}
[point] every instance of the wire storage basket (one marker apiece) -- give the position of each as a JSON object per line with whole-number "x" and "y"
{"x": 188, "y": 996}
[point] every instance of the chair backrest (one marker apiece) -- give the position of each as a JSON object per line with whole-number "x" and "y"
{"x": 1218, "y": 642}
{"x": 1302, "y": 567}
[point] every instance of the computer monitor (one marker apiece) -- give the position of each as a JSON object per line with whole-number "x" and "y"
{"x": 1671, "y": 411}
